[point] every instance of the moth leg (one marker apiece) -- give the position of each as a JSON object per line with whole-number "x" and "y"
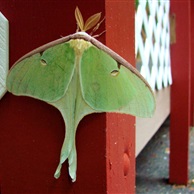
{"x": 77, "y": 29}
{"x": 98, "y": 35}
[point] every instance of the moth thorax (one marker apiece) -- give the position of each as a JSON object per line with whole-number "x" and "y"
{"x": 79, "y": 45}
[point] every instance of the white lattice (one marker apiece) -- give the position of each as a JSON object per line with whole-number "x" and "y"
{"x": 152, "y": 42}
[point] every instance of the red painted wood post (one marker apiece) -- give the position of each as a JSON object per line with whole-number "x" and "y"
{"x": 180, "y": 93}
{"x": 192, "y": 63}
{"x": 120, "y": 128}
{"x": 31, "y": 132}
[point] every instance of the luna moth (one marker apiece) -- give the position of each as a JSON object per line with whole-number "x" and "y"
{"x": 78, "y": 75}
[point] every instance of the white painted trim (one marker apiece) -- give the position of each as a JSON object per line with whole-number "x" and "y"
{"x": 4, "y": 53}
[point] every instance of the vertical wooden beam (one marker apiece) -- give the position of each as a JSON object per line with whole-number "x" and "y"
{"x": 32, "y": 132}
{"x": 180, "y": 93}
{"x": 120, "y": 128}
{"x": 192, "y": 63}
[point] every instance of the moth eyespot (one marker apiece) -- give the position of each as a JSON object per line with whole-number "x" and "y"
{"x": 114, "y": 73}
{"x": 43, "y": 62}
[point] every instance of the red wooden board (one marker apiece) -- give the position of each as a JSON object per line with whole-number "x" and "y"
{"x": 180, "y": 94}
{"x": 32, "y": 132}
{"x": 121, "y": 129}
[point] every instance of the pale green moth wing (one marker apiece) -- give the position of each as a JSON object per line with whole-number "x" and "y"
{"x": 79, "y": 75}
{"x": 110, "y": 87}
{"x": 45, "y": 75}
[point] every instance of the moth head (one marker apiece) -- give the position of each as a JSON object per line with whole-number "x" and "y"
{"x": 92, "y": 22}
